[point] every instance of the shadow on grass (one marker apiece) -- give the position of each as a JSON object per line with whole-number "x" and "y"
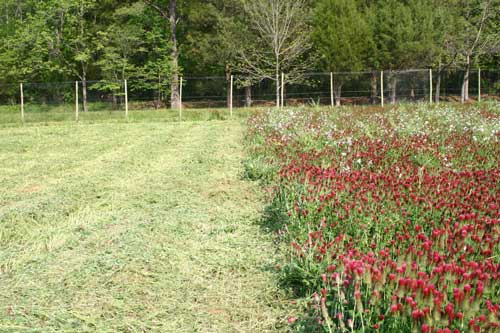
{"x": 274, "y": 217}
{"x": 298, "y": 280}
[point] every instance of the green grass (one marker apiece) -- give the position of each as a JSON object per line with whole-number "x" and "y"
{"x": 132, "y": 227}
{"x": 37, "y": 114}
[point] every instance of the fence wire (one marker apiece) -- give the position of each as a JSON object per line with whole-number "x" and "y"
{"x": 148, "y": 94}
{"x": 346, "y": 88}
{"x": 205, "y": 92}
{"x": 103, "y": 95}
{"x": 407, "y": 86}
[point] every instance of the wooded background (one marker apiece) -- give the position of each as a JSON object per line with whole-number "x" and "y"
{"x": 103, "y": 43}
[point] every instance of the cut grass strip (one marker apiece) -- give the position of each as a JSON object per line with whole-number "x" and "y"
{"x": 132, "y": 227}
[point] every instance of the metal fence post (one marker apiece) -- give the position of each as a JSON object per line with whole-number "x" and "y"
{"x": 479, "y": 85}
{"x": 430, "y": 86}
{"x": 382, "y": 88}
{"x": 126, "y": 98}
{"x": 180, "y": 100}
{"x": 282, "y": 89}
{"x": 76, "y": 100}
{"x": 332, "y": 101}
{"x": 231, "y": 97}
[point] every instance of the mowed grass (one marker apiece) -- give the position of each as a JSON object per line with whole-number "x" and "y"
{"x": 132, "y": 227}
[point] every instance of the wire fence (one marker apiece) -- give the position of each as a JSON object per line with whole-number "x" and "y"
{"x": 61, "y": 100}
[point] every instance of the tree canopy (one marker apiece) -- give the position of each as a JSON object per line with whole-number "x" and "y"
{"x": 110, "y": 40}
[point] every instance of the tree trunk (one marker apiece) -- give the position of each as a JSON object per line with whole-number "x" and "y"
{"x": 438, "y": 86}
{"x": 158, "y": 94}
{"x": 412, "y": 93}
{"x": 465, "y": 82}
{"x": 374, "y": 85}
{"x": 174, "y": 86}
{"x": 83, "y": 63}
{"x": 248, "y": 96}
{"x": 228, "y": 85}
{"x": 283, "y": 96}
{"x": 394, "y": 83}
{"x": 84, "y": 93}
{"x": 114, "y": 101}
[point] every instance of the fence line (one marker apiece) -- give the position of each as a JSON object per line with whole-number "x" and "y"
{"x": 331, "y": 88}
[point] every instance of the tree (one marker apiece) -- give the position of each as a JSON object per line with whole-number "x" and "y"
{"x": 149, "y": 41}
{"x": 156, "y": 72}
{"x": 24, "y": 49}
{"x": 170, "y": 15}
{"x": 133, "y": 46}
{"x": 403, "y": 32}
{"x": 73, "y": 39}
{"x": 234, "y": 43}
{"x": 118, "y": 45}
{"x": 343, "y": 38}
{"x": 477, "y": 34}
{"x": 201, "y": 53}
{"x": 278, "y": 40}
{"x": 444, "y": 25}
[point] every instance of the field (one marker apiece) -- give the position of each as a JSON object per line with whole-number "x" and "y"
{"x": 303, "y": 219}
{"x": 132, "y": 227}
{"x": 389, "y": 219}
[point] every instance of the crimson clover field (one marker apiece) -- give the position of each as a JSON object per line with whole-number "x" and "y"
{"x": 389, "y": 220}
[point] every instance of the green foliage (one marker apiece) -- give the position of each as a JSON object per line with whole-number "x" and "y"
{"x": 403, "y": 33}
{"x": 342, "y": 35}
{"x": 62, "y": 40}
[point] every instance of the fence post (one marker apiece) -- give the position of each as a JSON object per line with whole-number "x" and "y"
{"x": 231, "y": 97}
{"x": 126, "y": 98}
{"x": 430, "y": 86}
{"x": 76, "y": 100}
{"x": 479, "y": 85}
{"x": 331, "y": 90}
{"x": 282, "y": 89}
{"x": 382, "y": 88}
{"x": 180, "y": 100}
{"x": 22, "y": 101}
